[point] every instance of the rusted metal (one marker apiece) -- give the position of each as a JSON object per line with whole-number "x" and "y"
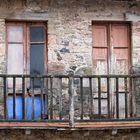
{"x": 99, "y": 97}
{"x": 23, "y": 98}
{"x": 81, "y": 97}
{"x": 32, "y": 95}
{"x": 51, "y": 98}
{"x": 60, "y": 99}
{"x": 71, "y": 106}
{"x": 14, "y": 97}
{"x": 5, "y": 97}
{"x": 126, "y": 100}
{"x": 41, "y": 99}
{"x": 53, "y": 116}
{"x": 108, "y": 97}
{"x": 91, "y": 99}
{"x": 117, "y": 98}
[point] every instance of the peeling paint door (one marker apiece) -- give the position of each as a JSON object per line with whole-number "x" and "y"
{"x": 110, "y": 56}
{"x": 120, "y": 61}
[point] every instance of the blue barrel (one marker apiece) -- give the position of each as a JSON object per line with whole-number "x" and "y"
{"x": 28, "y": 107}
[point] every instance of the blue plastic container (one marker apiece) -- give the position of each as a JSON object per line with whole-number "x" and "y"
{"x": 28, "y": 107}
{"x": 18, "y": 107}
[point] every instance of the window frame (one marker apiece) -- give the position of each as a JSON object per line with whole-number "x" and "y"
{"x": 26, "y": 43}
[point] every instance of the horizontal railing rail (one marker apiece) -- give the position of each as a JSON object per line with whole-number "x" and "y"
{"x": 68, "y": 97}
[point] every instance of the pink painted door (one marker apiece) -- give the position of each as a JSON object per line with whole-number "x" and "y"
{"x": 120, "y": 55}
{"x": 110, "y": 56}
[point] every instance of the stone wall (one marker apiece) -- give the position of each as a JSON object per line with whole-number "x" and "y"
{"x": 69, "y": 24}
{"x": 69, "y": 135}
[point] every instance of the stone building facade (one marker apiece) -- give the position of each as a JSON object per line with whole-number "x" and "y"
{"x": 70, "y": 33}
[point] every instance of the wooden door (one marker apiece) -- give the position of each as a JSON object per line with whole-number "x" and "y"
{"x": 111, "y": 49}
{"x": 120, "y": 55}
{"x": 100, "y": 63}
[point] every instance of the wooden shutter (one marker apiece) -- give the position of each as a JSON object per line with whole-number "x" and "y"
{"x": 100, "y": 49}
{"x": 120, "y": 44}
{"x": 100, "y": 64}
{"x": 120, "y": 52}
{"x": 110, "y": 56}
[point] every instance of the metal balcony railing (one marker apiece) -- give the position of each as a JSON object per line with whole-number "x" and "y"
{"x": 68, "y": 98}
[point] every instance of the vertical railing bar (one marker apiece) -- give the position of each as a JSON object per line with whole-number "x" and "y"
{"x": 14, "y": 97}
{"x": 99, "y": 97}
{"x": 71, "y": 104}
{"x": 91, "y": 99}
{"x": 81, "y": 93}
{"x": 23, "y": 98}
{"x": 117, "y": 98}
{"x": 51, "y": 98}
{"x": 108, "y": 96}
{"x": 41, "y": 98}
{"x": 5, "y": 98}
{"x": 131, "y": 97}
{"x": 60, "y": 99}
{"x": 46, "y": 98}
{"x": 32, "y": 98}
{"x": 126, "y": 100}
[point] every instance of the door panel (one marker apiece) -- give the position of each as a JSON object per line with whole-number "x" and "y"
{"x": 100, "y": 64}
{"x": 120, "y": 35}
{"x": 15, "y": 33}
{"x": 120, "y": 46}
{"x": 100, "y": 35}
{"x": 15, "y": 53}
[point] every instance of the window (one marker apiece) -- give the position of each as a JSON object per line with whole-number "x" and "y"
{"x": 26, "y": 49}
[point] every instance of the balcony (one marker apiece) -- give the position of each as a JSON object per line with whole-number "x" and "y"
{"x": 69, "y": 101}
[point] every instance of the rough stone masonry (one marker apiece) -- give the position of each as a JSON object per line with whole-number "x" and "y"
{"x": 69, "y": 25}
{"x": 69, "y": 29}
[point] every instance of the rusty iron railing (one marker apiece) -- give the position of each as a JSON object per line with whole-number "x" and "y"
{"x": 67, "y": 98}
